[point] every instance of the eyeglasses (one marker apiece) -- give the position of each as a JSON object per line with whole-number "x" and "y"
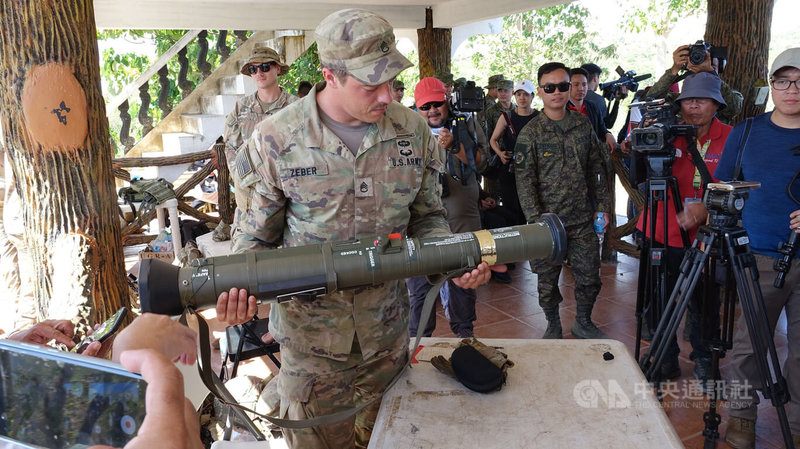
{"x": 428, "y": 106}
{"x": 550, "y": 88}
{"x": 264, "y": 66}
{"x": 783, "y": 84}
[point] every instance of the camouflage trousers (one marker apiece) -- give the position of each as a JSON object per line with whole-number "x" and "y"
{"x": 583, "y": 254}
{"x": 314, "y": 386}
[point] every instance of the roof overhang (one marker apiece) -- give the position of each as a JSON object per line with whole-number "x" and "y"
{"x": 280, "y": 14}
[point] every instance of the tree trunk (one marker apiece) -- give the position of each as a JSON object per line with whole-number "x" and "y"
{"x": 434, "y": 48}
{"x": 744, "y": 27}
{"x": 56, "y": 135}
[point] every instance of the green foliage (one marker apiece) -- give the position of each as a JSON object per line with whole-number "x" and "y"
{"x": 304, "y": 68}
{"x": 661, "y": 15}
{"x": 410, "y": 77}
{"x": 529, "y": 39}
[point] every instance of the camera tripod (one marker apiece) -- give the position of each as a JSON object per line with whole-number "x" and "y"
{"x": 728, "y": 244}
{"x": 652, "y": 287}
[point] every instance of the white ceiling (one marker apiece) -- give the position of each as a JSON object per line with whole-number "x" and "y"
{"x": 283, "y": 15}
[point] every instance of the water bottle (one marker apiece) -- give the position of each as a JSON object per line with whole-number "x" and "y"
{"x": 599, "y": 222}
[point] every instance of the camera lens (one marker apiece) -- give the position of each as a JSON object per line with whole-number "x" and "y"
{"x": 649, "y": 139}
{"x": 697, "y": 54}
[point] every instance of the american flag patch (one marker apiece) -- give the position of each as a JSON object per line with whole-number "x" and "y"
{"x": 243, "y": 165}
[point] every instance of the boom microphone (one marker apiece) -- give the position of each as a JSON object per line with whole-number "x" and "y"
{"x": 305, "y": 272}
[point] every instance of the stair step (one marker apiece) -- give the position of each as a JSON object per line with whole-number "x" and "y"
{"x": 219, "y": 104}
{"x": 209, "y": 125}
{"x": 236, "y": 85}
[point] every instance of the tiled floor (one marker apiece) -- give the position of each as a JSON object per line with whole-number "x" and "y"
{"x": 512, "y": 311}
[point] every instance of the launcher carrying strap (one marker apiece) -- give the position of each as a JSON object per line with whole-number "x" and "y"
{"x": 217, "y": 388}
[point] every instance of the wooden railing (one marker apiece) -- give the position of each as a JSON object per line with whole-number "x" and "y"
{"x": 121, "y": 103}
{"x": 215, "y": 160}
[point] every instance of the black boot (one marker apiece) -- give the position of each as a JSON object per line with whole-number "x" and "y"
{"x": 583, "y": 326}
{"x": 554, "y": 330}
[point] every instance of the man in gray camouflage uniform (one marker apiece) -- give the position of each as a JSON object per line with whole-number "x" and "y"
{"x": 559, "y": 169}
{"x": 263, "y": 66}
{"x": 344, "y": 162}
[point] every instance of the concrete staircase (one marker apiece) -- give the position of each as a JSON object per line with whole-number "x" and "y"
{"x": 196, "y": 123}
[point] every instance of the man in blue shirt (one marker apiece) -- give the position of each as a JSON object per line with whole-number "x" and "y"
{"x": 767, "y": 156}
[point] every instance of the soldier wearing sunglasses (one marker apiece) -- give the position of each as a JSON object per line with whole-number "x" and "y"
{"x": 559, "y": 169}
{"x": 263, "y": 66}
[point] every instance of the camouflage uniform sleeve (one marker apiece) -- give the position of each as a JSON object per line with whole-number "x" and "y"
{"x": 733, "y": 99}
{"x": 427, "y": 212}
{"x": 661, "y": 88}
{"x": 526, "y": 172}
{"x": 261, "y": 225}
{"x": 231, "y": 135}
{"x": 596, "y": 174}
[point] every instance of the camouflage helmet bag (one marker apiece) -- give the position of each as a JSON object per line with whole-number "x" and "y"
{"x": 360, "y": 43}
{"x": 264, "y": 54}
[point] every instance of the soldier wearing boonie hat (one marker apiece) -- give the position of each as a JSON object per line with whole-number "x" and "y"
{"x": 264, "y": 66}
{"x": 343, "y": 162}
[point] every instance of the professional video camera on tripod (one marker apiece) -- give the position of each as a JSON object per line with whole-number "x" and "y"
{"x": 723, "y": 242}
{"x": 654, "y": 147}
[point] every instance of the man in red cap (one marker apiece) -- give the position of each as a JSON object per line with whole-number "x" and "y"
{"x": 460, "y": 196}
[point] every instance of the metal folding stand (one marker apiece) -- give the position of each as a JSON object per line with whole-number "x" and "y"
{"x": 725, "y": 242}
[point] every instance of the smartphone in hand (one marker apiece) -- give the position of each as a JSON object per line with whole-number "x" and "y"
{"x": 102, "y": 333}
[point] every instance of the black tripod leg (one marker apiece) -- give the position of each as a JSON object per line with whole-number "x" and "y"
{"x": 691, "y": 269}
{"x": 746, "y": 274}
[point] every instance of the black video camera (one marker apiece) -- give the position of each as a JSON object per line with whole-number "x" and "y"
{"x": 662, "y": 127}
{"x": 697, "y": 54}
{"x": 788, "y": 249}
{"x": 467, "y": 98}
{"x": 628, "y": 80}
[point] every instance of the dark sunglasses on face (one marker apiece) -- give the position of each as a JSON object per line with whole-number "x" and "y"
{"x": 264, "y": 66}
{"x": 550, "y": 88}
{"x": 428, "y": 106}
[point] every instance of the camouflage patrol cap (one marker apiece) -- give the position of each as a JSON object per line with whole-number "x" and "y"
{"x": 460, "y": 82}
{"x": 494, "y": 80}
{"x": 397, "y": 84}
{"x": 445, "y": 77}
{"x": 360, "y": 43}
{"x": 264, "y": 54}
{"x": 505, "y": 84}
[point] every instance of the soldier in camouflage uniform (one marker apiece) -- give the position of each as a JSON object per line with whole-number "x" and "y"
{"x": 680, "y": 63}
{"x": 268, "y": 99}
{"x": 344, "y": 162}
{"x": 491, "y": 90}
{"x": 488, "y": 120}
{"x": 559, "y": 169}
{"x": 504, "y": 104}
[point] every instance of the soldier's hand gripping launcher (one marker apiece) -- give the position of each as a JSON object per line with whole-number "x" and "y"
{"x": 305, "y": 272}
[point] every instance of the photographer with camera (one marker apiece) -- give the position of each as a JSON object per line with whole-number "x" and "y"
{"x": 765, "y": 149}
{"x": 559, "y": 168}
{"x": 699, "y": 104}
{"x": 682, "y": 66}
{"x": 593, "y": 82}
{"x": 461, "y": 199}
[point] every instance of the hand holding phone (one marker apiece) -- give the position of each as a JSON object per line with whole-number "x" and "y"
{"x": 104, "y": 332}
